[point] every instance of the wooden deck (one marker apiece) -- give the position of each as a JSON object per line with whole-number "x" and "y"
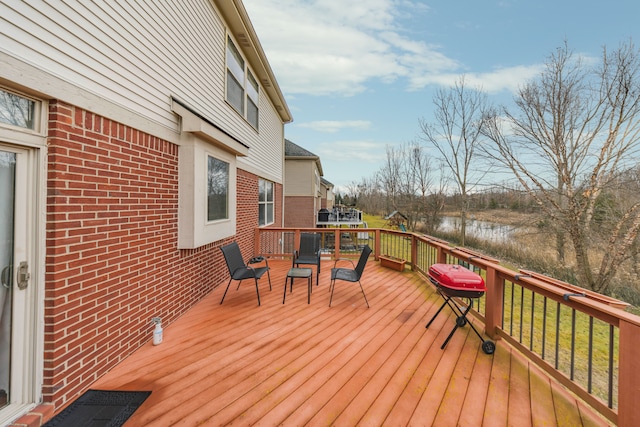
{"x": 310, "y": 364}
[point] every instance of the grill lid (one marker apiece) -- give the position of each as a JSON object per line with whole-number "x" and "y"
{"x": 456, "y": 277}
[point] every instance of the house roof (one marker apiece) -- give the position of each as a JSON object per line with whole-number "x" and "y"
{"x": 394, "y": 213}
{"x": 237, "y": 18}
{"x": 326, "y": 183}
{"x": 293, "y": 151}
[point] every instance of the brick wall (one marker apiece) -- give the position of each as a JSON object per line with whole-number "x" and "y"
{"x": 248, "y": 215}
{"x": 112, "y": 261}
{"x": 299, "y": 212}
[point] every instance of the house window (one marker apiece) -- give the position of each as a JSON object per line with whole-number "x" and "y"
{"x": 207, "y": 180}
{"x": 16, "y": 110}
{"x": 242, "y": 86}
{"x": 217, "y": 189}
{"x": 265, "y": 202}
{"x": 252, "y": 100}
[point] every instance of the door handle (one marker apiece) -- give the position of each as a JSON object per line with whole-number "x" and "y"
{"x": 23, "y": 275}
{"x": 5, "y": 276}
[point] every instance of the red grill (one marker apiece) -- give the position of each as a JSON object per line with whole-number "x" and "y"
{"x": 455, "y": 283}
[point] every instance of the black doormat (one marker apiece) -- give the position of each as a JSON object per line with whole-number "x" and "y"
{"x": 98, "y": 408}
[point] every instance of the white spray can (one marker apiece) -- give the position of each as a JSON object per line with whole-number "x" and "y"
{"x": 157, "y": 332}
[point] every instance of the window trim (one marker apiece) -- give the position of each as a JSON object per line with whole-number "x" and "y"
{"x": 266, "y": 203}
{"x": 250, "y": 85}
{"x": 210, "y": 220}
{"x": 39, "y": 115}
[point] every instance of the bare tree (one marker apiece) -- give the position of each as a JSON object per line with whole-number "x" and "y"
{"x": 419, "y": 179}
{"x": 390, "y": 177}
{"x": 370, "y": 198}
{"x": 576, "y": 130}
{"x": 406, "y": 180}
{"x": 455, "y": 133}
{"x": 434, "y": 202}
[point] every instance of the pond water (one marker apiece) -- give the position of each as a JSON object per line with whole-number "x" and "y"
{"x": 485, "y": 230}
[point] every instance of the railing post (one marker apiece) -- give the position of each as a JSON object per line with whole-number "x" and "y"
{"x": 494, "y": 303}
{"x": 256, "y": 242}
{"x": 296, "y": 239}
{"x": 414, "y": 251}
{"x": 337, "y": 244}
{"x": 377, "y": 243}
{"x": 442, "y": 255}
{"x": 629, "y": 374}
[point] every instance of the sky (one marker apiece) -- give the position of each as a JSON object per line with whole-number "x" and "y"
{"x": 358, "y": 75}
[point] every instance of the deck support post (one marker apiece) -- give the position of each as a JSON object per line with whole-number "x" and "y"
{"x": 337, "y": 245}
{"x": 414, "y": 252}
{"x": 493, "y": 302}
{"x": 256, "y": 242}
{"x": 629, "y": 374}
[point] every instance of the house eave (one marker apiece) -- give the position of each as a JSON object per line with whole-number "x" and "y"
{"x": 242, "y": 29}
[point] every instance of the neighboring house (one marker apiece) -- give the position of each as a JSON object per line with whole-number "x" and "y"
{"x": 303, "y": 191}
{"x": 328, "y": 197}
{"x": 136, "y": 138}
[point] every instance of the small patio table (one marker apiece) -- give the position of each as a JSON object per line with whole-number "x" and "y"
{"x": 297, "y": 273}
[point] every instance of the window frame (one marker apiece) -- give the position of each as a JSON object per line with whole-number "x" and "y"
{"x": 266, "y": 203}
{"x": 226, "y": 166}
{"x": 38, "y": 114}
{"x": 249, "y": 86}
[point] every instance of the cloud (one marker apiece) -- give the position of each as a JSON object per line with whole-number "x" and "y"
{"x": 322, "y": 47}
{"x": 500, "y": 79}
{"x": 354, "y": 152}
{"x": 332, "y": 126}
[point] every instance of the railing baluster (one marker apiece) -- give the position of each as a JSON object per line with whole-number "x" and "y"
{"x": 573, "y": 342}
{"x": 533, "y": 310}
{"x": 521, "y": 310}
{"x": 590, "y": 357}
{"x": 504, "y": 291}
{"x": 557, "y": 335}
{"x": 544, "y": 327}
{"x": 512, "y": 306}
{"x": 610, "y": 378}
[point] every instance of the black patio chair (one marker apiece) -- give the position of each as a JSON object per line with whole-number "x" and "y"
{"x": 350, "y": 274}
{"x": 309, "y": 252}
{"x": 238, "y": 270}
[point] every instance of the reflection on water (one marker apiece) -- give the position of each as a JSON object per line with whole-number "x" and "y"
{"x": 479, "y": 229}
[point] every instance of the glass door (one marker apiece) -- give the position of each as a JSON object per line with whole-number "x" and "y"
{"x": 7, "y": 212}
{"x": 22, "y": 207}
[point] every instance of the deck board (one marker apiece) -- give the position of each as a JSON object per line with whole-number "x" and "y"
{"x": 542, "y": 410}
{"x": 310, "y": 364}
{"x": 475, "y": 399}
{"x": 520, "y": 399}
{"x": 451, "y": 405}
{"x": 496, "y": 409}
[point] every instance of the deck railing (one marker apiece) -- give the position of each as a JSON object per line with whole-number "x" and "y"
{"x": 583, "y": 339}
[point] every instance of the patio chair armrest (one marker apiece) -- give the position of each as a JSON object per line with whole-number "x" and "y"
{"x": 257, "y": 260}
{"x": 343, "y": 259}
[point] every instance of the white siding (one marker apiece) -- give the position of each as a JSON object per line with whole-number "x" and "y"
{"x": 137, "y": 54}
{"x": 266, "y": 156}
